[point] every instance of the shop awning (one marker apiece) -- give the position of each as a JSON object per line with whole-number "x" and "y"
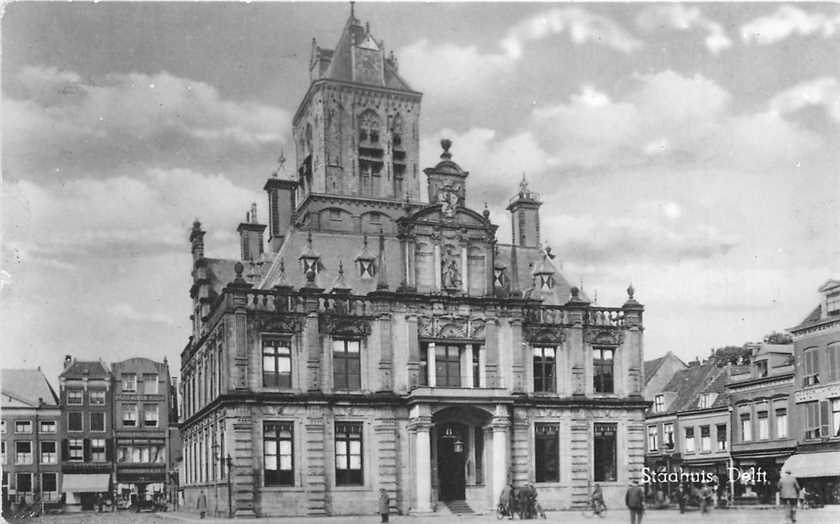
{"x": 814, "y": 464}
{"x": 92, "y": 482}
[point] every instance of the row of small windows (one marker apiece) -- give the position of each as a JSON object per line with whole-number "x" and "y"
{"x": 75, "y": 450}
{"x": 763, "y": 430}
{"x": 821, "y": 419}
{"x": 820, "y": 365}
{"x": 75, "y": 421}
{"x": 691, "y": 444}
{"x": 25, "y": 426}
{"x": 24, "y": 485}
{"x": 75, "y": 397}
{"x": 24, "y": 450}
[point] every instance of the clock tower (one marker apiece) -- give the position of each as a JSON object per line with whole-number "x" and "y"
{"x": 355, "y": 132}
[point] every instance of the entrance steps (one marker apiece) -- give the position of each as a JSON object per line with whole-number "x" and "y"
{"x": 458, "y": 507}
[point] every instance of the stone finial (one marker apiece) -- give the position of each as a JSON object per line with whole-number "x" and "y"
{"x": 239, "y": 268}
{"x": 630, "y": 292}
{"x": 575, "y": 293}
{"x": 486, "y": 211}
{"x": 446, "y": 144}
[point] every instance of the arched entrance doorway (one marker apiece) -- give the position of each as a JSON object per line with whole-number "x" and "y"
{"x": 460, "y": 441}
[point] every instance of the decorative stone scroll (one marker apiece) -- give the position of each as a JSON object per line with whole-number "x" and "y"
{"x": 338, "y": 325}
{"x": 604, "y": 337}
{"x": 451, "y": 327}
{"x": 279, "y": 325}
{"x": 544, "y": 334}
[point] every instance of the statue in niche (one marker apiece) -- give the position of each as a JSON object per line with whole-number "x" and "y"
{"x": 451, "y": 276}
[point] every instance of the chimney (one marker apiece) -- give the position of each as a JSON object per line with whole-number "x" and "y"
{"x": 281, "y": 208}
{"x": 251, "y": 235}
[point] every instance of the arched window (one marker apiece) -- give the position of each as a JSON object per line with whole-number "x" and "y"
{"x": 370, "y": 153}
{"x": 398, "y": 156}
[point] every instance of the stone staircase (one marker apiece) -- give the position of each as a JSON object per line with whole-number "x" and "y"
{"x": 458, "y": 507}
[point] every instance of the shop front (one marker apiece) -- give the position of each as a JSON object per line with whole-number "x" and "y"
{"x": 82, "y": 490}
{"x": 818, "y": 473}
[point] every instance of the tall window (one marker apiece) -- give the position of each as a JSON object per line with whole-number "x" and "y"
{"x": 23, "y": 452}
{"x": 832, "y": 304}
{"x": 278, "y": 454}
{"x": 448, "y": 366}
{"x": 705, "y": 438}
{"x": 812, "y": 420}
{"x": 150, "y": 384}
{"x": 3, "y": 452}
{"x": 96, "y": 397}
{"x": 603, "y": 369}
{"x": 348, "y": 453}
{"x": 24, "y": 482}
{"x": 150, "y": 415}
{"x": 74, "y": 421}
{"x": 668, "y": 434}
{"x": 689, "y": 440}
{"x": 75, "y": 449}
{"x": 721, "y": 437}
{"x": 606, "y": 467}
{"x": 97, "y": 422}
{"x": 781, "y": 423}
{"x": 479, "y": 455}
{"x": 653, "y": 438}
{"x": 547, "y": 452}
{"x": 347, "y": 364}
{"x": 763, "y": 425}
{"x": 75, "y": 397}
{"x": 129, "y": 382}
{"x": 811, "y": 367}
{"x": 97, "y": 450}
{"x": 835, "y": 417}
{"x": 129, "y": 415}
{"x": 48, "y": 452}
{"x": 659, "y": 404}
{"x": 544, "y": 362}
{"x": 746, "y": 427}
{"x": 277, "y": 363}
{"x": 49, "y": 485}
{"x": 833, "y": 356}
{"x": 23, "y": 426}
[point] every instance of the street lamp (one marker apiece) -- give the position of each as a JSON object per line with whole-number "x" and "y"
{"x": 229, "y": 461}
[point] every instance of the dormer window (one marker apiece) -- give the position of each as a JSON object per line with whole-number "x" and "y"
{"x": 706, "y": 400}
{"x": 366, "y": 269}
{"x": 832, "y": 304}
{"x": 499, "y": 277}
{"x": 659, "y": 404}
{"x": 546, "y": 282}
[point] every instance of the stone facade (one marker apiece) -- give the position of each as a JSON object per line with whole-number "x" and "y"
{"x": 383, "y": 341}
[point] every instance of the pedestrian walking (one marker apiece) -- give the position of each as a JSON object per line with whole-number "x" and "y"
{"x": 202, "y": 504}
{"x": 384, "y": 504}
{"x": 705, "y": 498}
{"x": 635, "y": 501}
{"x": 789, "y": 493}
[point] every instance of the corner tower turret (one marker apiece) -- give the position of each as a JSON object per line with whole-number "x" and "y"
{"x": 524, "y": 210}
{"x": 355, "y": 131}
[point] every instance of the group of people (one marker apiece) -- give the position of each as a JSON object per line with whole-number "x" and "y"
{"x": 521, "y": 500}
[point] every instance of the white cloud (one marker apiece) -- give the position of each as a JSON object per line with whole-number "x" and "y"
{"x": 787, "y": 21}
{"x": 55, "y": 121}
{"x": 581, "y": 25}
{"x": 820, "y": 92}
{"x": 449, "y": 70}
{"x": 683, "y": 18}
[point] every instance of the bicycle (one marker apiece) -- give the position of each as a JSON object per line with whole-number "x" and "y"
{"x": 595, "y": 508}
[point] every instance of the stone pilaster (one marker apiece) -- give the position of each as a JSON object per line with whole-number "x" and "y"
{"x": 420, "y": 427}
{"x": 491, "y": 341}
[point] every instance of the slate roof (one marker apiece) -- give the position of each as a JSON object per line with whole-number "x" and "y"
{"x": 86, "y": 368}
{"x": 814, "y": 317}
{"x": 689, "y": 383}
{"x": 26, "y": 386}
{"x": 714, "y": 382}
{"x": 651, "y": 366}
{"x": 341, "y": 62}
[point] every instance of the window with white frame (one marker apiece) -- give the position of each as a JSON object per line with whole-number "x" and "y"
{"x": 668, "y": 435}
{"x": 277, "y": 362}
{"x": 75, "y": 396}
{"x": 659, "y": 404}
{"x": 23, "y": 452}
{"x": 75, "y": 449}
{"x": 811, "y": 367}
{"x": 763, "y": 425}
{"x": 746, "y": 427}
{"x": 689, "y": 440}
{"x": 97, "y": 450}
{"x": 129, "y": 415}
{"x": 96, "y": 397}
{"x": 781, "y": 423}
{"x": 547, "y": 452}
{"x": 348, "y": 453}
{"x": 49, "y": 486}
{"x": 49, "y": 455}
{"x": 48, "y": 426}
{"x": 129, "y": 382}
{"x": 24, "y": 482}
{"x": 721, "y": 437}
{"x": 653, "y": 438}
{"x": 278, "y": 453}
{"x": 150, "y": 415}
{"x": 23, "y": 426}
{"x": 97, "y": 422}
{"x": 150, "y": 384}
{"x": 705, "y": 438}
{"x": 544, "y": 362}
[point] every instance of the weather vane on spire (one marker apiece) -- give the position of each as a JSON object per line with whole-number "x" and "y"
{"x": 281, "y": 163}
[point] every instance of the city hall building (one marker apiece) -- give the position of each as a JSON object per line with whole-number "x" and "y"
{"x": 380, "y": 340}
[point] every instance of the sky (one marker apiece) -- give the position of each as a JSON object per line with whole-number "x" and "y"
{"x": 688, "y": 149}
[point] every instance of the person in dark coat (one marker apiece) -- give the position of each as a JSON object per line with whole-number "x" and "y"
{"x": 789, "y": 493}
{"x": 202, "y": 504}
{"x": 384, "y": 504}
{"x": 635, "y": 501}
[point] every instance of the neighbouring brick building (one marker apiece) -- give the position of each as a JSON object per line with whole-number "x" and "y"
{"x": 31, "y": 433}
{"x": 141, "y": 427}
{"x": 817, "y": 397}
{"x": 87, "y": 442}
{"x": 386, "y": 341}
{"x": 761, "y": 398}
